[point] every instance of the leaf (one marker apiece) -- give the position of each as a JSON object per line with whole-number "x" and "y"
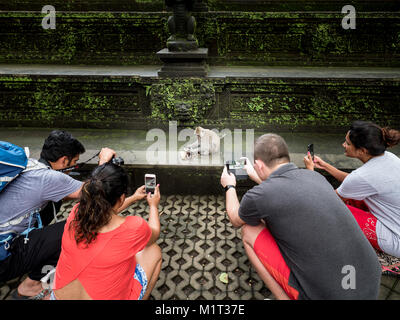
{"x": 223, "y": 277}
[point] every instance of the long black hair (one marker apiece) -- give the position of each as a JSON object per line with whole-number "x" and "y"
{"x": 372, "y": 137}
{"x": 99, "y": 194}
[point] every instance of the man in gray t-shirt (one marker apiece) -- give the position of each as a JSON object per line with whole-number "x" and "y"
{"x": 300, "y": 237}
{"x": 33, "y": 190}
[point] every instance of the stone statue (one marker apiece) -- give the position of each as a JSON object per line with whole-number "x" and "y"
{"x": 181, "y": 26}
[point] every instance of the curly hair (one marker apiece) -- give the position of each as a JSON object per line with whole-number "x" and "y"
{"x": 99, "y": 194}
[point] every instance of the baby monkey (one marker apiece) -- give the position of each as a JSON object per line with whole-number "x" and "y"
{"x": 208, "y": 142}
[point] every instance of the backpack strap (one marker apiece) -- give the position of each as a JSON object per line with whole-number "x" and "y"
{"x": 34, "y": 164}
{"x": 25, "y": 233}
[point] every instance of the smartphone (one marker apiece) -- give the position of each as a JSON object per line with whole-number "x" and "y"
{"x": 310, "y": 149}
{"x": 237, "y": 168}
{"x": 150, "y": 182}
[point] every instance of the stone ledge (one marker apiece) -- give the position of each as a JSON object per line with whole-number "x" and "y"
{"x": 180, "y": 177}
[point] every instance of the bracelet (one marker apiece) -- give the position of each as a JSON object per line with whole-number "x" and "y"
{"x": 229, "y": 186}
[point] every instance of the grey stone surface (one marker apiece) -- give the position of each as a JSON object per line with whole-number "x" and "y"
{"x": 214, "y": 71}
{"x": 133, "y": 146}
{"x": 191, "y": 63}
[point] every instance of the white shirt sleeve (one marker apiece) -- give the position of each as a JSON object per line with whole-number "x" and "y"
{"x": 355, "y": 187}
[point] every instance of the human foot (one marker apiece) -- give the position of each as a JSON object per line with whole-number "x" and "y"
{"x": 29, "y": 288}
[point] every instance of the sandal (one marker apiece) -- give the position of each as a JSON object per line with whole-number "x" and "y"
{"x": 42, "y": 294}
{"x": 17, "y": 296}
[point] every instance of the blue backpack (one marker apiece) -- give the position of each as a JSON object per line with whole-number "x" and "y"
{"x": 13, "y": 160}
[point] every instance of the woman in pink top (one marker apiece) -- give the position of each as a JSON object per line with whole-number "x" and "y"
{"x": 105, "y": 256}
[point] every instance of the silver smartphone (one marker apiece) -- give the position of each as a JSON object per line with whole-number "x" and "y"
{"x": 150, "y": 182}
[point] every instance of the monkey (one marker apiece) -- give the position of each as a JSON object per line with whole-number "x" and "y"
{"x": 208, "y": 142}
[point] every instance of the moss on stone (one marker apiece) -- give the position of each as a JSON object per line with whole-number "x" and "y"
{"x": 233, "y": 38}
{"x": 196, "y": 95}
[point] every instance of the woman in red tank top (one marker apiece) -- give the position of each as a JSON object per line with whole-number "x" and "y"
{"x": 105, "y": 256}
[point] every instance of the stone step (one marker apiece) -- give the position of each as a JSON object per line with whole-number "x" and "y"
{"x": 298, "y": 99}
{"x": 233, "y": 38}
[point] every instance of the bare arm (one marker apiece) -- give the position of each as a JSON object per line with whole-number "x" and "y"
{"x": 232, "y": 201}
{"x": 232, "y": 208}
{"x": 320, "y": 164}
{"x": 139, "y": 194}
{"x": 336, "y": 173}
{"x": 154, "y": 219}
{"x": 251, "y": 172}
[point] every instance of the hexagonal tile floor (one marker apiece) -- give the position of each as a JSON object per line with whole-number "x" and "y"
{"x": 199, "y": 245}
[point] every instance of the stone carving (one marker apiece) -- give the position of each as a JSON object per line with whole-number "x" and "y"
{"x": 183, "y": 111}
{"x": 181, "y": 25}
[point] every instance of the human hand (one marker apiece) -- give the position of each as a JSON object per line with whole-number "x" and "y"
{"x": 308, "y": 161}
{"x": 140, "y": 193}
{"x": 154, "y": 200}
{"x": 319, "y": 163}
{"x": 105, "y": 155}
{"x": 227, "y": 178}
{"x": 251, "y": 172}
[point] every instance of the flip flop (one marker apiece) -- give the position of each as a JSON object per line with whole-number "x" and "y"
{"x": 16, "y": 296}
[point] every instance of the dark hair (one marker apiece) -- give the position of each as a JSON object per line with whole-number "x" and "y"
{"x": 59, "y": 144}
{"x": 372, "y": 137}
{"x": 271, "y": 149}
{"x": 99, "y": 194}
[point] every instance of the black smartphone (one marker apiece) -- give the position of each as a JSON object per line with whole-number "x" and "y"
{"x": 310, "y": 149}
{"x": 237, "y": 168}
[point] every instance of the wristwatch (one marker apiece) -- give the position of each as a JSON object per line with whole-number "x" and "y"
{"x": 229, "y": 186}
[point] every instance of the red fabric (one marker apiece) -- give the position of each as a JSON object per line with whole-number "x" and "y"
{"x": 367, "y": 222}
{"x": 357, "y": 204}
{"x": 106, "y": 267}
{"x": 269, "y": 254}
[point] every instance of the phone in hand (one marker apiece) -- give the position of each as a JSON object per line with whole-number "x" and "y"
{"x": 237, "y": 168}
{"x": 310, "y": 149}
{"x": 150, "y": 183}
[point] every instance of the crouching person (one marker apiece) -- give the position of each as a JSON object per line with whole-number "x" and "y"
{"x": 105, "y": 256}
{"x": 299, "y": 236}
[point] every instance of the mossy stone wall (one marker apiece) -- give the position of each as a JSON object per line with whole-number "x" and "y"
{"x": 233, "y": 38}
{"x": 134, "y": 102}
{"x": 213, "y": 5}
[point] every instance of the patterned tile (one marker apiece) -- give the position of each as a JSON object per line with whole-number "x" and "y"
{"x": 198, "y": 245}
